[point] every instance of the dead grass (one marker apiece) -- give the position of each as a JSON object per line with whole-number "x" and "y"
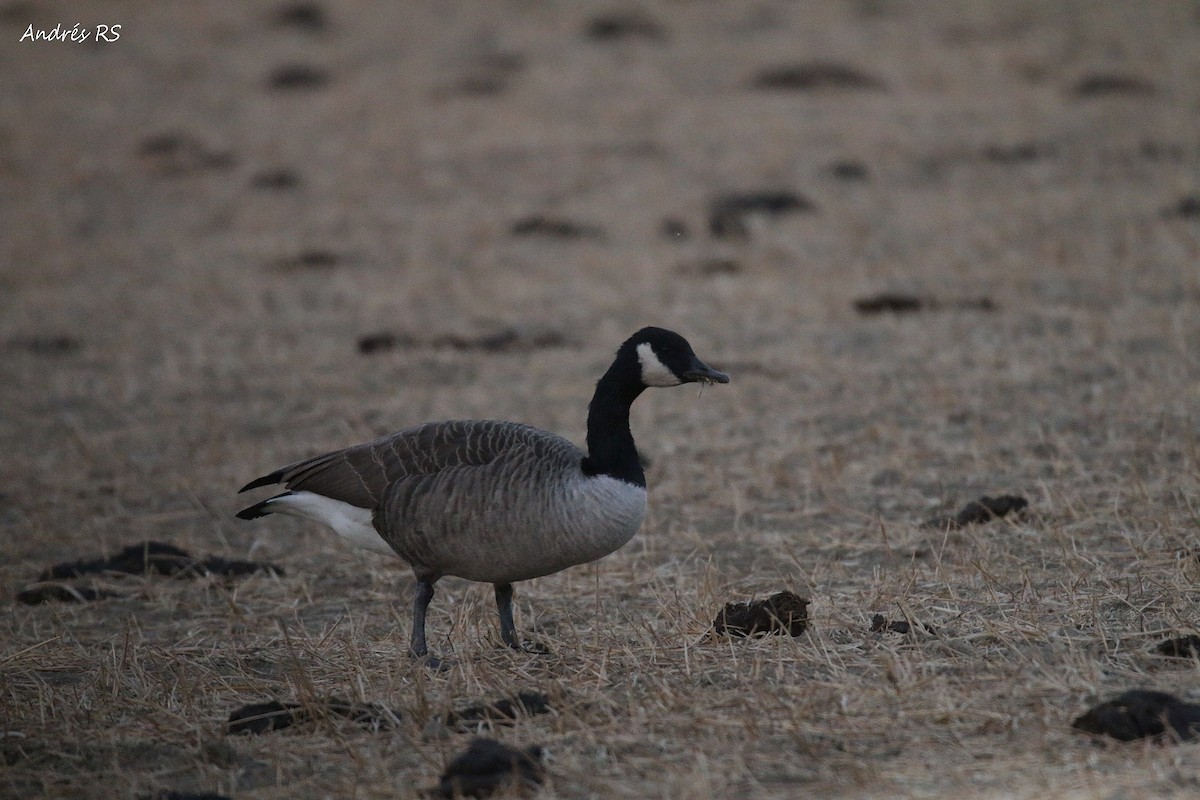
{"x": 201, "y": 363}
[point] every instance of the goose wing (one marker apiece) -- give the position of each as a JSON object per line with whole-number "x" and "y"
{"x": 360, "y": 475}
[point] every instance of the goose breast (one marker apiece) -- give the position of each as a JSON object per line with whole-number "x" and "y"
{"x": 529, "y": 512}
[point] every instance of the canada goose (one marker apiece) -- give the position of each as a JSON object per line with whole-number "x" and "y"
{"x": 493, "y": 501}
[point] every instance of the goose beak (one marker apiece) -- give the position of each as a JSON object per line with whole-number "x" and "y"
{"x": 702, "y": 373}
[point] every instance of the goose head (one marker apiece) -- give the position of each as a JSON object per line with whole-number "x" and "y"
{"x": 664, "y": 358}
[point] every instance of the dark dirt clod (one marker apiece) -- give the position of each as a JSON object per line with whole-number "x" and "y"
{"x": 980, "y": 511}
{"x": 849, "y": 171}
{"x": 149, "y": 558}
{"x": 504, "y": 340}
{"x": 880, "y": 624}
{"x": 146, "y": 558}
{"x": 781, "y": 613}
{"x": 554, "y": 228}
{"x": 61, "y": 593}
{"x": 1140, "y": 714}
{"x": 1023, "y": 153}
{"x": 1188, "y": 206}
{"x": 728, "y": 226}
{"x": 977, "y": 512}
{"x": 262, "y": 717}
{"x": 371, "y": 343}
{"x": 624, "y": 25}
{"x": 136, "y": 559}
{"x": 892, "y": 302}
{"x": 487, "y": 765}
{"x": 1180, "y": 647}
{"x": 163, "y": 144}
{"x": 308, "y": 17}
{"x": 708, "y": 267}
{"x": 273, "y": 715}
{"x": 1110, "y": 84}
{"x": 1151, "y": 150}
{"x": 986, "y": 509}
{"x": 227, "y": 568}
{"x": 275, "y": 180}
{"x": 815, "y": 76}
{"x": 900, "y": 303}
{"x": 297, "y": 76}
{"x": 974, "y": 304}
{"x": 55, "y": 345}
{"x": 307, "y": 260}
{"x": 673, "y": 228}
{"x": 478, "y": 85}
{"x": 727, "y": 213}
{"x": 501, "y": 712}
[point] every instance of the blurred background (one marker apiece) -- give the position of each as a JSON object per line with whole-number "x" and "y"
{"x": 295, "y": 224}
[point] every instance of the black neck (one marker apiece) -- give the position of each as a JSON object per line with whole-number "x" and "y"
{"x": 610, "y": 444}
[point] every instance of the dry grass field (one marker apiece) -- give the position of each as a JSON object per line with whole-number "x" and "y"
{"x": 200, "y": 221}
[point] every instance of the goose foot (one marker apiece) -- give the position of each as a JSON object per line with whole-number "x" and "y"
{"x": 534, "y": 648}
{"x": 431, "y": 662}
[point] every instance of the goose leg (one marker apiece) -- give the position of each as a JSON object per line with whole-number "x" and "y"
{"x": 417, "y": 647}
{"x": 508, "y": 630}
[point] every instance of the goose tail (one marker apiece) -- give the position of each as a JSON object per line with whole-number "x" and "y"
{"x": 260, "y": 509}
{"x": 265, "y": 480}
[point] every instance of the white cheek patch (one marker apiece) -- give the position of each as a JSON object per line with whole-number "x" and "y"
{"x": 654, "y": 372}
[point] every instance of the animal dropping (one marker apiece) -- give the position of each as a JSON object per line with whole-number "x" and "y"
{"x": 275, "y": 180}
{"x": 781, "y": 613}
{"x": 501, "y": 712}
{"x": 881, "y": 624}
{"x": 1111, "y": 84}
{"x": 308, "y": 17}
{"x": 1188, "y": 206}
{"x": 815, "y": 76}
{"x": 901, "y": 303}
{"x": 850, "y": 171}
{"x": 486, "y": 766}
{"x": 1179, "y": 647}
{"x": 62, "y": 593}
{"x": 624, "y": 25}
{"x": 977, "y": 512}
{"x": 554, "y": 228}
{"x": 491, "y": 501}
{"x": 728, "y": 213}
{"x": 54, "y": 345}
{"x": 297, "y": 76}
{"x": 273, "y": 715}
{"x": 1142, "y": 714}
{"x": 145, "y": 558}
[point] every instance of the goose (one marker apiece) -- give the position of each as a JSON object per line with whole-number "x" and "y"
{"x": 492, "y": 501}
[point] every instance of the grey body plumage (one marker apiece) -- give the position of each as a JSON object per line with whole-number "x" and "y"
{"x": 488, "y": 500}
